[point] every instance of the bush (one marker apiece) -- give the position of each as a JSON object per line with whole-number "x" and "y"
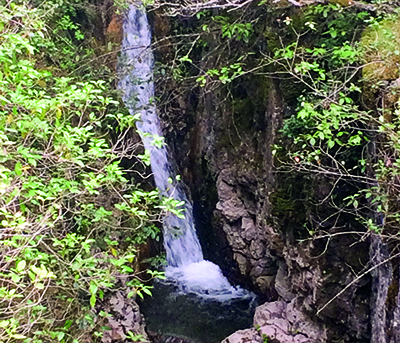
{"x": 64, "y": 198}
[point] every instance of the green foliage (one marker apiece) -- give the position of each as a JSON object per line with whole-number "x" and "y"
{"x": 173, "y": 206}
{"x": 225, "y": 74}
{"x": 135, "y": 338}
{"x": 238, "y": 31}
{"x": 331, "y": 129}
{"x": 317, "y": 54}
{"x": 331, "y": 134}
{"x": 327, "y": 122}
{"x": 64, "y": 197}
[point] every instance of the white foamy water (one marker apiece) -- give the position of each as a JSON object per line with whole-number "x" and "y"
{"x": 204, "y": 278}
{"x": 185, "y": 260}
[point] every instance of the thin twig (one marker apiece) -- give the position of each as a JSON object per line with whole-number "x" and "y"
{"x": 355, "y": 280}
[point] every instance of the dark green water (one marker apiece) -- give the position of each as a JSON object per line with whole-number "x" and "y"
{"x": 199, "y": 319}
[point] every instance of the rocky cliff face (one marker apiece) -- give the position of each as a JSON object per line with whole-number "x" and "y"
{"x": 248, "y": 216}
{"x": 232, "y": 182}
{"x": 237, "y": 157}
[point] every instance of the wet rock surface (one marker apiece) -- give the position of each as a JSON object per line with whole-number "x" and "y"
{"x": 244, "y": 336}
{"x": 284, "y": 322}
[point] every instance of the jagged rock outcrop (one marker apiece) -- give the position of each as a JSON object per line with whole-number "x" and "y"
{"x": 125, "y": 318}
{"x": 280, "y": 322}
{"x": 242, "y": 169}
{"x": 244, "y": 336}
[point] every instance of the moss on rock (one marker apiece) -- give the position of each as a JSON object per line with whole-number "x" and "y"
{"x": 381, "y": 45}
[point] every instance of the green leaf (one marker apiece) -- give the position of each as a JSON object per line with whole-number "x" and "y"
{"x": 67, "y": 324}
{"x": 21, "y": 265}
{"x": 32, "y": 275}
{"x": 18, "y": 336}
{"x": 4, "y": 323}
{"x": 79, "y": 163}
{"x": 147, "y": 291}
{"x": 185, "y": 59}
{"x": 93, "y": 300}
{"x": 18, "y": 168}
{"x": 127, "y": 269}
{"x": 15, "y": 278}
{"x": 93, "y": 288}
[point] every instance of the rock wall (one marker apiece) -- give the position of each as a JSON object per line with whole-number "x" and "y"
{"x": 306, "y": 274}
{"x": 249, "y": 224}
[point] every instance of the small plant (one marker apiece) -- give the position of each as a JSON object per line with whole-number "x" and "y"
{"x": 134, "y": 338}
{"x": 239, "y": 31}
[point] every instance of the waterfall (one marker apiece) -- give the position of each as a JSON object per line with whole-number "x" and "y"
{"x": 185, "y": 260}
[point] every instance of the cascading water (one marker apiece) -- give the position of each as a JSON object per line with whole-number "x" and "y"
{"x": 201, "y": 282}
{"x": 137, "y": 83}
{"x": 184, "y": 255}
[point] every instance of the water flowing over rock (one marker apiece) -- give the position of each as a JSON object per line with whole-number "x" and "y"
{"x": 136, "y": 80}
{"x": 187, "y": 272}
{"x": 184, "y": 254}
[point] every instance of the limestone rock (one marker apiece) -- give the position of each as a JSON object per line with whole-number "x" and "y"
{"x": 229, "y": 203}
{"x": 242, "y": 263}
{"x": 244, "y": 336}
{"x": 280, "y": 322}
{"x": 282, "y": 284}
{"x": 249, "y": 230}
{"x": 285, "y": 323}
{"x": 266, "y": 283}
{"x": 235, "y": 240}
{"x": 257, "y": 249}
{"x": 126, "y": 317}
